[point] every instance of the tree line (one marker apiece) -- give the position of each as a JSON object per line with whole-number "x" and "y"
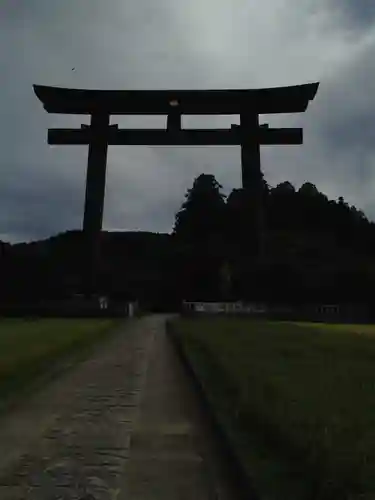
{"x": 310, "y": 249}
{"x": 314, "y": 249}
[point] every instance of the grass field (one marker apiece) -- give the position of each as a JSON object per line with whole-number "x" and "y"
{"x": 297, "y": 398}
{"x": 28, "y": 348}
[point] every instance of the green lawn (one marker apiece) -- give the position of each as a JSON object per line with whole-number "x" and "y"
{"x": 297, "y": 398}
{"x": 28, "y": 348}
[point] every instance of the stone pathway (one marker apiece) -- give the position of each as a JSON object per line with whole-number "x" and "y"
{"x": 124, "y": 424}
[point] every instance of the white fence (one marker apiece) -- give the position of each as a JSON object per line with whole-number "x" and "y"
{"x": 224, "y": 308}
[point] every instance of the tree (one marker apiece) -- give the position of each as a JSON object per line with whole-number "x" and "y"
{"x": 199, "y": 228}
{"x": 281, "y": 206}
{"x": 284, "y": 189}
{"x": 201, "y": 217}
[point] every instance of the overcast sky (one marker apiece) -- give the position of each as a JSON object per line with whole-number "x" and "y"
{"x": 143, "y": 44}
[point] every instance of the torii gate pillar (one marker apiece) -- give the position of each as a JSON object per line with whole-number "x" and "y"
{"x": 94, "y": 197}
{"x": 252, "y": 178}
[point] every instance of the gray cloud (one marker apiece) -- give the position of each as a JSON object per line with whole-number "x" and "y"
{"x": 359, "y": 14}
{"x": 171, "y": 44}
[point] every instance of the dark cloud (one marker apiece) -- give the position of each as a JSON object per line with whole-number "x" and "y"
{"x": 360, "y": 14}
{"x": 169, "y": 44}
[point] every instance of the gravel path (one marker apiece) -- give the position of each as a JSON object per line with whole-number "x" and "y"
{"x": 124, "y": 424}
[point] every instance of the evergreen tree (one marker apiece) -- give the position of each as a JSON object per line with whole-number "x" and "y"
{"x": 201, "y": 217}
{"x": 199, "y": 228}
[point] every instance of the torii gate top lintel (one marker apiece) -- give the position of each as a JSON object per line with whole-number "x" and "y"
{"x": 292, "y": 99}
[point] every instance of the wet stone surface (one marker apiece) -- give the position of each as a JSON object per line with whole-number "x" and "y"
{"x": 124, "y": 424}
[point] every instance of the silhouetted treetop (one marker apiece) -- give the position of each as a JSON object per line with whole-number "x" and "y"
{"x": 201, "y": 216}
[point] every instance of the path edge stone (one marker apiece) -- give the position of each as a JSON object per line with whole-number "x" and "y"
{"x": 238, "y": 470}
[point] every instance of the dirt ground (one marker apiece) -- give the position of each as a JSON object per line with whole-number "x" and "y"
{"x": 124, "y": 424}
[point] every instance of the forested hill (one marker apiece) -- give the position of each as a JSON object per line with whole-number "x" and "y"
{"x": 315, "y": 249}
{"x": 130, "y": 263}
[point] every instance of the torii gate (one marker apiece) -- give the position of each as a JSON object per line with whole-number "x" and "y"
{"x": 101, "y": 104}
